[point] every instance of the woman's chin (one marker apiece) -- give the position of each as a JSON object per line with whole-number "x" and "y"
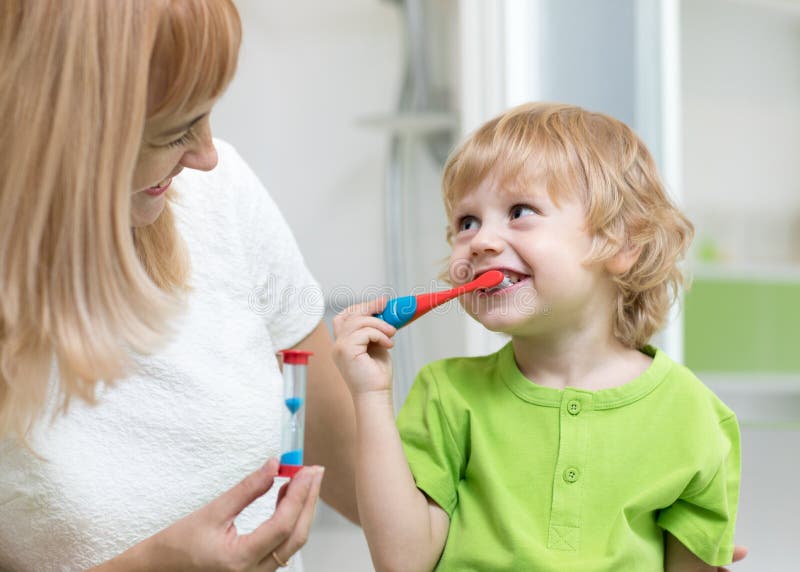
{"x": 146, "y": 212}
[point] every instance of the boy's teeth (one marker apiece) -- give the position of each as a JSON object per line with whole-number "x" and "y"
{"x": 510, "y": 278}
{"x": 504, "y": 284}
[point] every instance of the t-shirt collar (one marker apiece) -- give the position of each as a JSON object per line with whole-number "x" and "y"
{"x": 619, "y": 396}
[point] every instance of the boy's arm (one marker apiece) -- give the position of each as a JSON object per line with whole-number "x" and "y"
{"x": 704, "y": 515}
{"x": 404, "y": 530}
{"x": 678, "y": 558}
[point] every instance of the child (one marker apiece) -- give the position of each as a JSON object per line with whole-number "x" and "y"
{"x": 576, "y": 447}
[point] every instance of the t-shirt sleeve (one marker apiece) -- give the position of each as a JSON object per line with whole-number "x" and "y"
{"x": 704, "y": 517}
{"x": 433, "y": 444}
{"x": 284, "y": 293}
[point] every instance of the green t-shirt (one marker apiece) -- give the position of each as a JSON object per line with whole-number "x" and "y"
{"x": 536, "y": 478}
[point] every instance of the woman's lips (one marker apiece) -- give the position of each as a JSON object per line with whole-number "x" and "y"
{"x": 160, "y": 189}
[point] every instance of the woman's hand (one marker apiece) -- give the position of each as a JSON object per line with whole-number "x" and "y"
{"x": 361, "y": 348}
{"x": 208, "y": 540}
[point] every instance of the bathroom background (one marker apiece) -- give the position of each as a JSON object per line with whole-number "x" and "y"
{"x": 346, "y": 110}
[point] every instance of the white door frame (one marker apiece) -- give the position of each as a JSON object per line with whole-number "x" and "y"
{"x": 499, "y": 68}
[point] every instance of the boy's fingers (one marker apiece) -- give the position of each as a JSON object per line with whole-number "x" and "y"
{"x": 358, "y": 322}
{"x": 358, "y": 342}
{"x": 739, "y": 552}
{"x": 367, "y": 308}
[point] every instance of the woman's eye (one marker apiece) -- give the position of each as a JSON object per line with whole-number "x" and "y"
{"x": 182, "y": 140}
{"x": 467, "y": 223}
{"x": 519, "y": 211}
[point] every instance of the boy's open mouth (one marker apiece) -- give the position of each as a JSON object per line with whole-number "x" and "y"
{"x": 511, "y": 278}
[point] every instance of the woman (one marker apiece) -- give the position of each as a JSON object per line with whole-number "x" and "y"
{"x": 135, "y": 251}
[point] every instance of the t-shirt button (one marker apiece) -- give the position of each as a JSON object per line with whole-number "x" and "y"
{"x": 574, "y": 407}
{"x": 571, "y": 475}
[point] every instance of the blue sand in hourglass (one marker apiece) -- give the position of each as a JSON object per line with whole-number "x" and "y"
{"x": 292, "y": 457}
{"x": 294, "y": 403}
{"x": 295, "y": 457}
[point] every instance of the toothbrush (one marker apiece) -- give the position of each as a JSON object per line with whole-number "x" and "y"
{"x": 406, "y": 309}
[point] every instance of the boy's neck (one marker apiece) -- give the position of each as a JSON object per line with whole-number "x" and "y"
{"x": 586, "y": 360}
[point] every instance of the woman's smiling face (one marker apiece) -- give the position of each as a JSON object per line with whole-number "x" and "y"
{"x": 169, "y": 145}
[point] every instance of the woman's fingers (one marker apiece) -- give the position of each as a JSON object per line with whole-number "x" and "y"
{"x": 303, "y": 526}
{"x": 234, "y": 501}
{"x": 284, "y": 522}
{"x": 299, "y": 536}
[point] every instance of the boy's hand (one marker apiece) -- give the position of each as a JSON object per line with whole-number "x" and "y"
{"x": 361, "y": 348}
{"x": 678, "y": 558}
{"x": 739, "y": 552}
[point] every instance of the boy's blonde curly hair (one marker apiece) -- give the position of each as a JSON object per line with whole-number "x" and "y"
{"x": 601, "y": 161}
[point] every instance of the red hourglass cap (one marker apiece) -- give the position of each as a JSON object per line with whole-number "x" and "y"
{"x": 295, "y": 357}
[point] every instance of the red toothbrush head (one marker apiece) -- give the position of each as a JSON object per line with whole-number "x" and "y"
{"x": 426, "y": 302}
{"x": 486, "y": 280}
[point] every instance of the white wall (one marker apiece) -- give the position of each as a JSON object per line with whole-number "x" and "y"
{"x": 741, "y": 129}
{"x": 741, "y": 171}
{"x": 587, "y": 56}
{"x": 308, "y": 70}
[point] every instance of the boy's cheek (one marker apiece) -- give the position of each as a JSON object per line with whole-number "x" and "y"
{"x": 460, "y": 270}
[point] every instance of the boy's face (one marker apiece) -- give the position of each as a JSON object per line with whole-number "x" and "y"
{"x": 541, "y": 247}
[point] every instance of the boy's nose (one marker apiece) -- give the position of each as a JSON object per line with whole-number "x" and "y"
{"x": 486, "y": 241}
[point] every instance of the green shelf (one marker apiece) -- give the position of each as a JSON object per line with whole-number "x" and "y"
{"x": 741, "y": 325}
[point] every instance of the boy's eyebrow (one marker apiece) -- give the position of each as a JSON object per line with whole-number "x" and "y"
{"x": 184, "y": 127}
{"x": 461, "y": 207}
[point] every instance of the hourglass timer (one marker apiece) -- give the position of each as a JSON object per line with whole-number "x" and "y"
{"x": 294, "y": 411}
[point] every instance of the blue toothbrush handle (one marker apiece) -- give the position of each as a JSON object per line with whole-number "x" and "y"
{"x": 399, "y": 311}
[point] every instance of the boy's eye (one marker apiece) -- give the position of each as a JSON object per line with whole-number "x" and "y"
{"x": 519, "y": 211}
{"x": 468, "y": 222}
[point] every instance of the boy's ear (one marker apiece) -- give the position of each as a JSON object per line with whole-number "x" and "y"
{"x": 623, "y": 260}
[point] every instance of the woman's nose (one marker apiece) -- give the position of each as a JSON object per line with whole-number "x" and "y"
{"x": 202, "y": 155}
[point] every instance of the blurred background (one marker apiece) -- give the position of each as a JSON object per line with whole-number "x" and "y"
{"x": 347, "y": 110}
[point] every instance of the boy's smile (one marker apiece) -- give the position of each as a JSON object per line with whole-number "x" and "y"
{"x": 541, "y": 247}
{"x": 513, "y": 280}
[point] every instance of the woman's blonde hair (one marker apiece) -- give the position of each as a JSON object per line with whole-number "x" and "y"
{"x": 601, "y": 161}
{"x": 78, "y": 289}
